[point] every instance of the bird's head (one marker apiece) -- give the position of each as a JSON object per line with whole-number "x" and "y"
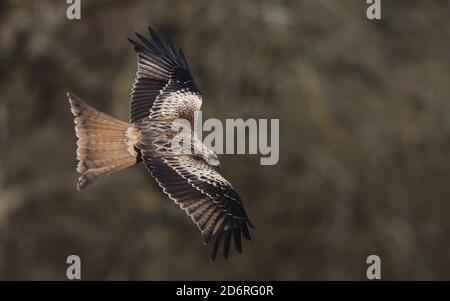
{"x": 212, "y": 159}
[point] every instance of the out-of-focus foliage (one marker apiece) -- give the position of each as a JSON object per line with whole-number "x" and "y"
{"x": 364, "y": 109}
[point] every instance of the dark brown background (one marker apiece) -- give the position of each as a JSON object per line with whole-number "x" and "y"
{"x": 364, "y": 109}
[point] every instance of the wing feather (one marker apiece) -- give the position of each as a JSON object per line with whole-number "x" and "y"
{"x": 162, "y": 73}
{"x": 204, "y": 198}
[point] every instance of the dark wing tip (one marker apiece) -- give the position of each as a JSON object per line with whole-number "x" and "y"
{"x": 139, "y": 36}
{"x": 236, "y": 228}
{"x": 183, "y": 58}
{"x": 151, "y": 31}
{"x": 249, "y": 222}
{"x": 157, "y": 41}
{"x": 153, "y": 34}
{"x": 157, "y": 47}
{"x": 226, "y": 244}
{"x": 169, "y": 45}
{"x": 245, "y": 232}
{"x": 237, "y": 239}
{"x": 224, "y": 238}
{"x": 214, "y": 246}
{"x": 135, "y": 44}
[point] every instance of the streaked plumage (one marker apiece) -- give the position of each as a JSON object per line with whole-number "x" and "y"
{"x": 163, "y": 92}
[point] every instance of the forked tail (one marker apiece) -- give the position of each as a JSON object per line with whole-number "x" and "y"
{"x": 105, "y": 144}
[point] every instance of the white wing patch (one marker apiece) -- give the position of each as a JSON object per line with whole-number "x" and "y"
{"x": 175, "y": 104}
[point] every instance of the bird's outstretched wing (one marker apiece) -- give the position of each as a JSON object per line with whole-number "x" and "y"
{"x": 164, "y": 88}
{"x": 164, "y": 91}
{"x": 209, "y": 199}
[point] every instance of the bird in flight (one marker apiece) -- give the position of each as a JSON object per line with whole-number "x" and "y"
{"x": 163, "y": 93}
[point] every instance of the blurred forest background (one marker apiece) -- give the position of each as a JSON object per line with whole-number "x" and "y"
{"x": 364, "y": 109}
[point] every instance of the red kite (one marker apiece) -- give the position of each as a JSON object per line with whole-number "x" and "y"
{"x": 163, "y": 92}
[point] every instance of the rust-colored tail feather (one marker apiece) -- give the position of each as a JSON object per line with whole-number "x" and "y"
{"x": 105, "y": 144}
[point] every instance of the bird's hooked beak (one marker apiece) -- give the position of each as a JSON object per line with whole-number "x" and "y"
{"x": 215, "y": 162}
